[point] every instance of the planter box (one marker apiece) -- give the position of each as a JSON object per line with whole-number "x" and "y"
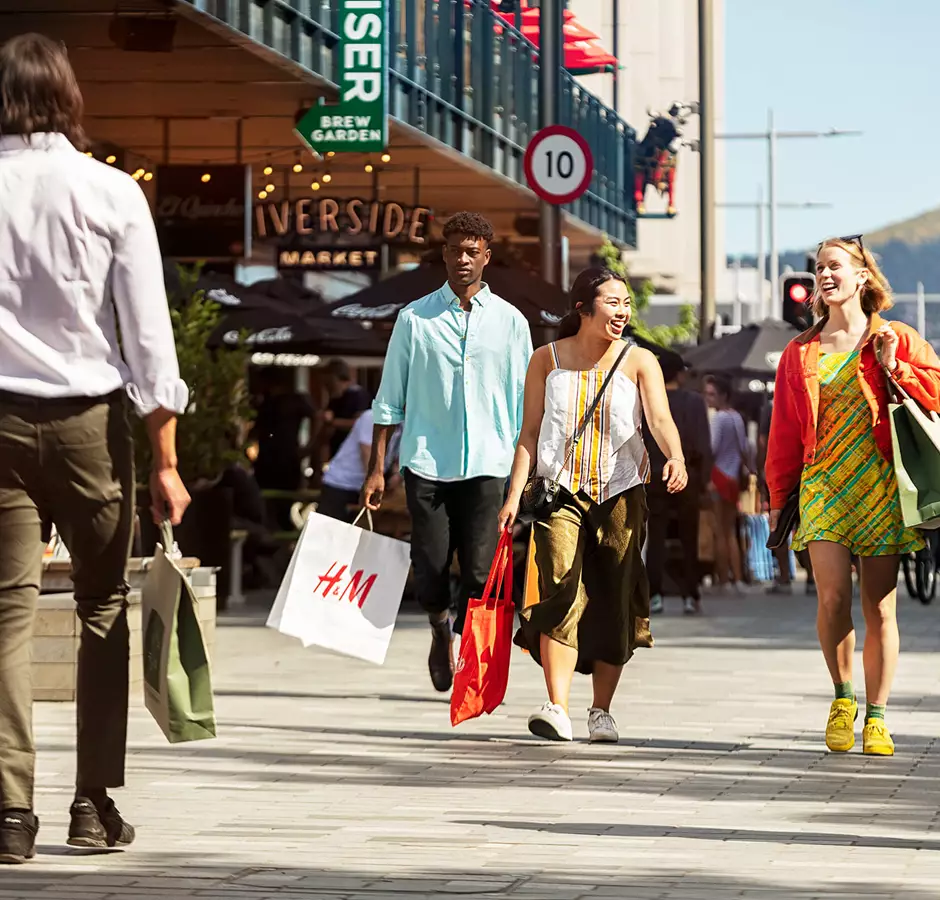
{"x": 57, "y": 630}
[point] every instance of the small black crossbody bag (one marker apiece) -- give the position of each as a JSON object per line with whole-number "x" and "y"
{"x": 540, "y": 494}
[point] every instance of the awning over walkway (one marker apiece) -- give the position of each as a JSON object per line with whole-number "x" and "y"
{"x": 583, "y": 51}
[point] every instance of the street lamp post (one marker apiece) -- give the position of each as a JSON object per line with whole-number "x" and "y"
{"x": 707, "y": 224}
{"x": 761, "y": 206}
{"x": 551, "y": 48}
{"x": 771, "y": 135}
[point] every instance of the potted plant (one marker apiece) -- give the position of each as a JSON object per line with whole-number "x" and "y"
{"x": 209, "y": 436}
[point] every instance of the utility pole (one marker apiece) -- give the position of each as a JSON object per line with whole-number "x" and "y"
{"x": 761, "y": 207}
{"x": 771, "y": 136}
{"x": 551, "y": 20}
{"x": 707, "y": 225}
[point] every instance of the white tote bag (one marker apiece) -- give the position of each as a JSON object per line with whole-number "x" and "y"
{"x": 343, "y": 588}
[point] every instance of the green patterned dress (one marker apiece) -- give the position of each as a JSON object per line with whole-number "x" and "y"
{"x": 849, "y": 495}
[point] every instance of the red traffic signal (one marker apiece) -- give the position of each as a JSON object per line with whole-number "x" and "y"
{"x": 796, "y": 293}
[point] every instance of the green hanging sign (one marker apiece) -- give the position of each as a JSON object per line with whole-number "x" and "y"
{"x": 359, "y": 122}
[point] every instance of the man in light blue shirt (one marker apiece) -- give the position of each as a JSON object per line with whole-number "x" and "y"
{"x": 454, "y": 375}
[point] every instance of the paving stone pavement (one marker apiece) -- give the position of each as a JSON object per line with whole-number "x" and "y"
{"x": 338, "y": 779}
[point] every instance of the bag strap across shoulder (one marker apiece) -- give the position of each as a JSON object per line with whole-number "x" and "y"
{"x": 589, "y": 415}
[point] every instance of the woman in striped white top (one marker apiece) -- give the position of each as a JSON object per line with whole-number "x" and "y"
{"x": 594, "y": 595}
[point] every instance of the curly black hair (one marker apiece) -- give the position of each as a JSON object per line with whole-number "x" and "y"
{"x": 471, "y": 225}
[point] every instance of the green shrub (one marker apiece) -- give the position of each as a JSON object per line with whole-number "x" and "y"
{"x": 210, "y": 435}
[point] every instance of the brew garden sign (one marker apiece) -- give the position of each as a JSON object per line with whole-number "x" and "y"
{"x": 359, "y": 122}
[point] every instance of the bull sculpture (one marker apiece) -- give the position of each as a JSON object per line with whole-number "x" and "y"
{"x": 656, "y": 157}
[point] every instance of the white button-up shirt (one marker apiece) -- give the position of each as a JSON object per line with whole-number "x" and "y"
{"x": 77, "y": 243}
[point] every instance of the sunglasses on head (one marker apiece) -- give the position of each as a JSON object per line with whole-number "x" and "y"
{"x": 847, "y": 239}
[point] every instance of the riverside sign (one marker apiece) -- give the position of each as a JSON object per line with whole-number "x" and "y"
{"x": 326, "y": 215}
{"x": 359, "y": 122}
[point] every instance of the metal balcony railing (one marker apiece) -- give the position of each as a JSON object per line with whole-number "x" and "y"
{"x": 463, "y": 76}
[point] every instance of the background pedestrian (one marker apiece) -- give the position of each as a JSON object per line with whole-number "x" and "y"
{"x": 730, "y": 468}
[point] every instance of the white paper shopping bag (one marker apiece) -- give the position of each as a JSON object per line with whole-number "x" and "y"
{"x": 343, "y": 589}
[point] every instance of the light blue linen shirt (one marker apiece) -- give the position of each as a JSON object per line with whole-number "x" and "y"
{"x": 456, "y": 380}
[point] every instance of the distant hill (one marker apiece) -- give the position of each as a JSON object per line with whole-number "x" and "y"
{"x": 908, "y": 252}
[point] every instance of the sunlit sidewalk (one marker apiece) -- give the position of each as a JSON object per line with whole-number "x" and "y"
{"x": 334, "y": 778}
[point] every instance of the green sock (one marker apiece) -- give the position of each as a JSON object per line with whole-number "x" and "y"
{"x": 844, "y": 690}
{"x": 874, "y": 711}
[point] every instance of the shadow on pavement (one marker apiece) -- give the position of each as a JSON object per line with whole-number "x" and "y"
{"x": 820, "y": 838}
{"x": 177, "y": 876}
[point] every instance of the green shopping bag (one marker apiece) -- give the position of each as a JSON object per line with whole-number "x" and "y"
{"x": 177, "y": 680}
{"x": 915, "y": 437}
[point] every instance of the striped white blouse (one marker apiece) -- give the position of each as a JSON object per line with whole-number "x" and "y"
{"x": 611, "y": 455}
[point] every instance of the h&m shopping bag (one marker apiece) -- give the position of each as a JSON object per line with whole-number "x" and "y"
{"x": 915, "y": 437}
{"x": 343, "y": 588}
{"x": 177, "y": 680}
{"x": 482, "y": 674}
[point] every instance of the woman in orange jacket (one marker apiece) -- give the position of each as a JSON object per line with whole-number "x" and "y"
{"x": 830, "y": 440}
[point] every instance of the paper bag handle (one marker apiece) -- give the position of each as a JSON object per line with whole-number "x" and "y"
{"x": 368, "y": 514}
{"x": 166, "y": 536}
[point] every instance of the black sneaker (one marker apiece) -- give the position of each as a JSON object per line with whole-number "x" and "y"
{"x": 92, "y": 826}
{"x": 439, "y": 659}
{"x": 17, "y": 836}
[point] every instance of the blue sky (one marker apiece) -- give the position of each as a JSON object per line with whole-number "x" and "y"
{"x": 870, "y": 65}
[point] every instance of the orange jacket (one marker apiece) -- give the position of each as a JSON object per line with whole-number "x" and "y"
{"x": 792, "y": 443}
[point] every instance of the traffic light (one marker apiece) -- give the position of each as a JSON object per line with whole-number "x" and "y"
{"x": 796, "y": 290}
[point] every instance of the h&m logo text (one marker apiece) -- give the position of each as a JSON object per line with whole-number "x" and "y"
{"x": 342, "y": 586}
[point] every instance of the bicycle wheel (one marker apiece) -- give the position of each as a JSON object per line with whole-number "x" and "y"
{"x": 926, "y": 571}
{"x": 926, "y": 578}
{"x": 908, "y": 565}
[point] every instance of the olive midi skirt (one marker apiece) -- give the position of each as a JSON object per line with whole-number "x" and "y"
{"x": 593, "y": 589}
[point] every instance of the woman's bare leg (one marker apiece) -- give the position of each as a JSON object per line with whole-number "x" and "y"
{"x": 833, "y": 567}
{"x": 879, "y": 586}
{"x": 728, "y": 529}
{"x": 605, "y": 679}
{"x": 558, "y": 662}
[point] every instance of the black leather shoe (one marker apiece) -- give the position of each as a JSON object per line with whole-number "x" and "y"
{"x": 93, "y": 826}
{"x": 439, "y": 660}
{"x": 18, "y": 830}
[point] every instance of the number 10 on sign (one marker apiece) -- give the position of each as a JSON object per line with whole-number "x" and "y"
{"x": 558, "y": 164}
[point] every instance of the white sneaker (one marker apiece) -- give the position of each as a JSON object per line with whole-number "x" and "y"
{"x": 656, "y": 604}
{"x": 601, "y": 727}
{"x": 551, "y": 722}
{"x": 690, "y": 608}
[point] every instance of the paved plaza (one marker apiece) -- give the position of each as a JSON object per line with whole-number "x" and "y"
{"x": 337, "y": 779}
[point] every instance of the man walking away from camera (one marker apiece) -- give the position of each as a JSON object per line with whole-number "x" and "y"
{"x": 77, "y": 242}
{"x": 454, "y": 375}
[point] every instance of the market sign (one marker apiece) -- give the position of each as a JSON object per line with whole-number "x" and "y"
{"x": 359, "y": 122}
{"x": 326, "y": 215}
{"x": 333, "y": 259}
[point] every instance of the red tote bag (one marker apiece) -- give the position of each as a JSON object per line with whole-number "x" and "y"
{"x": 486, "y": 643}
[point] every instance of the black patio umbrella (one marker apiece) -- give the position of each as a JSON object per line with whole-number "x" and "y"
{"x": 269, "y": 325}
{"x": 753, "y": 351}
{"x": 542, "y": 304}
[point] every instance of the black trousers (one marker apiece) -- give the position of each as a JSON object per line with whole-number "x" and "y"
{"x": 335, "y": 503}
{"x": 449, "y": 517}
{"x": 663, "y": 507}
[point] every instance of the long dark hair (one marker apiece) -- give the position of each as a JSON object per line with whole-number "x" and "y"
{"x": 583, "y": 296}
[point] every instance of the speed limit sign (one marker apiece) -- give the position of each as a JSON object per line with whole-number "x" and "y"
{"x": 558, "y": 164}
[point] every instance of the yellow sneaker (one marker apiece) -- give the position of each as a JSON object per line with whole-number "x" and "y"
{"x": 840, "y": 729}
{"x": 876, "y": 739}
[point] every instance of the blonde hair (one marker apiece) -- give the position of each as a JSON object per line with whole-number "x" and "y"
{"x": 876, "y": 292}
